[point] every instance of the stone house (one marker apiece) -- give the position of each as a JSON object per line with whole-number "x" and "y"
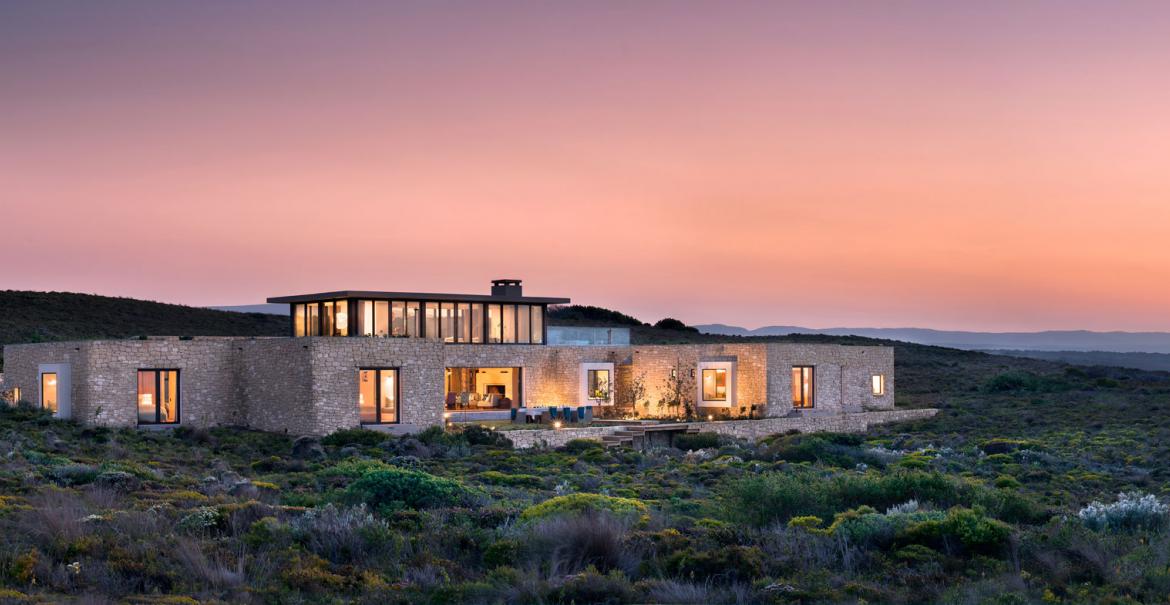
{"x": 405, "y": 361}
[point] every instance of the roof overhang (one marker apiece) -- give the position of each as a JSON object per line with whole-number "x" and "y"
{"x": 420, "y": 296}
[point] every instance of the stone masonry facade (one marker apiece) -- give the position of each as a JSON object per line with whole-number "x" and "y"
{"x": 310, "y": 385}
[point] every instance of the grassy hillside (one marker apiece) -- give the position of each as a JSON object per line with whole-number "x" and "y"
{"x": 986, "y": 503}
{"x": 46, "y": 316}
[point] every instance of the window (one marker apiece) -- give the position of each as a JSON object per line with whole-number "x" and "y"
{"x": 432, "y": 318}
{"x": 482, "y": 389}
{"x": 463, "y": 322}
{"x": 341, "y": 318}
{"x": 158, "y": 396}
{"x": 495, "y": 323}
{"x": 15, "y": 396}
{"x": 298, "y": 320}
{"x": 509, "y": 323}
{"x": 412, "y": 320}
{"x": 523, "y": 324}
{"x": 327, "y": 316}
{"x": 447, "y": 322}
{"x": 381, "y": 318}
{"x": 312, "y": 319}
{"x": 802, "y": 387}
{"x": 714, "y": 384}
{"x": 477, "y": 322}
{"x": 537, "y": 324}
{"x": 49, "y": 391}
{"x": 365, "y": 318}
{"x": 598, "y": 384}
{"x": 378, "y": 395}
{"x": 878, "y": 384}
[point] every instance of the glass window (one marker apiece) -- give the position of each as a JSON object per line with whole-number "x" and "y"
{"x": 714, "y": 384}
{"x": 447, "y": 322}
{"x": 879, "y": 384}
{"x": 495, "y": 323}
{"x": 412, "y": 320}
{"x": 365, "y": 318}
{"x": 483, "y": 388}
{"x": 49, "y": 391}
{"x": 327, "y": 316}
{"x": 463, "y": 322}
{"x": 598, "y": 384}
{"x": 158, "y": 396}
{"x": 477, "y": 322}
{"x": 382, "y": 318}
{"x": 523, "y": 323}
{"x": 312, "y": 319}
{"x": 432, "y": 318}
{"x": 16, "y": 395}
{"x": 378, "y": 396}
{"x": 341, "y": 318}
{"x": 398, "y": 318}
{"x": 802, "y": 387}
{"x": 537, "y": 324}
{"x": 298, "y": 320}
{"x": 509, "y": 323}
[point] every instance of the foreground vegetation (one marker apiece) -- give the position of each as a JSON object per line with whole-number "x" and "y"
{"x": 1037, "y": 482}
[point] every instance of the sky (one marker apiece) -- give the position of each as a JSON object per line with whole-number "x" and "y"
{"x": 955, "y": 165}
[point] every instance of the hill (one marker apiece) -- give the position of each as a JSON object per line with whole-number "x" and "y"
{"x": 48, "y": 316}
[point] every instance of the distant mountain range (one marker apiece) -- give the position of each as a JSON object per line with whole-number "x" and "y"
{"x": 1068, "y": 340}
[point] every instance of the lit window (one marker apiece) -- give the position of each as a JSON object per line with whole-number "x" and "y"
{"x": 298, "y": 320}
{"x": 158, "y": 396}
{"x": 341, "y": 318}
{"x": 49, "y": 391}
{"x": 598, "y": 384}
{"x": 15, "y": 395}
{"x": 802, "y": 387}
{"x": 378, "y": 396}
{"x": 714, "y": 384}
{"x": 879, "y": 384}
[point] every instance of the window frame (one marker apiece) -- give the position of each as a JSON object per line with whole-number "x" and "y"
{"x": 589, "y": 382}
{"x": 703, "y": 382}
{"x": 811, "y": 402}
{"x": 158, "y": 399}
{"x": 378, "y": 395}
{"x": 877, "y": 385}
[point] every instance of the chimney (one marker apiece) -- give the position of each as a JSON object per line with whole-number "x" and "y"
{"x": 506, "y": 287}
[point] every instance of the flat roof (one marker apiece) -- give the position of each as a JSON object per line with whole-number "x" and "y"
{"x": 420, "y": 296}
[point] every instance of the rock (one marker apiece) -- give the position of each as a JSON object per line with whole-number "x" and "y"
{"x": 118, "y": 480}
{"x": 243, "y": 489}
{"x": 413, "y": 447}
{"x": 702, "y": 455}
{"x": 307, "y": 448}
{"x": 53, "y": 442}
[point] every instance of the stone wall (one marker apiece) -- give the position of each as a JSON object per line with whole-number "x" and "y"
{"x": 743, "y": 429}
{"x": 310, "y": 385}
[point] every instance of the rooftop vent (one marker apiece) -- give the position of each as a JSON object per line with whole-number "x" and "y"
{"x": 506, "y": 287}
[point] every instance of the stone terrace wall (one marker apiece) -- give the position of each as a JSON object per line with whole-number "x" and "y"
{"x": 743, "y": 429}
{"x": 275, "y": 386}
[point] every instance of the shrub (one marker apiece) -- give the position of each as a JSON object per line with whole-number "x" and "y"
{"x": 579, "y": 503}
{"x": 478, "y": 435}
{"x": 73, "y": 474}
{"x": 501, "y": 553}
{"x": 359, "y": 437}
{"x": 390, "y": 487}
{"x": 568, "y": 543}
{"x": 591, "y": 586}
{"x": 342, "y": 535}
{"x": 976, "y": 531}
{"x": 1131, "y": 512}
{"x": 696, "y": 441}
{"x": 498, "y": 478}
{"x": 578, "y": 446}
{"x": 726, "y": 564}
{"x": 203, "y": 518}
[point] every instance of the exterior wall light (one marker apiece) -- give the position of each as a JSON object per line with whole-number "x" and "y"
{"x": 557, "y": 424}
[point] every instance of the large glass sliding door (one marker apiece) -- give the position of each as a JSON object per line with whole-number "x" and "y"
{"x": 483, "y": 388}
{"x": 158, "y": 396}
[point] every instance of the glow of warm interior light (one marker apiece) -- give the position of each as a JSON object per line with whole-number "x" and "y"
{"x": 52, "y": 382}
{"x": 446, "y": 414}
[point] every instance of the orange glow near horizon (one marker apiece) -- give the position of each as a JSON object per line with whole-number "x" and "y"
{"x": 984, "y": 167}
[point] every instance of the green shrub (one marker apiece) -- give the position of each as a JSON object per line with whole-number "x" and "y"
{"x": 591, "y": 586}
{"x": 391, "y": 487}
{"x": 475, "y": 434}
{"x": 577, "y": 446}
{"x": 73, "y": 474}
{"x": 501, "y": 553}
{"x": 976, "y": 531}
{"x": 498, "y": 478}
{"x": 696, "y": 441}
{"x": 579, "y": 503}
{"x": 358, "y": 437}
{"x": 727, "y": 564}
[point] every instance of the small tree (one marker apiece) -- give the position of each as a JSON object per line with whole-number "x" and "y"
{"x": 678, "y": 390}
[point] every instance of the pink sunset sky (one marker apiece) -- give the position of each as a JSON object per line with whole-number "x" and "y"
{"x": 956, "y": 165}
